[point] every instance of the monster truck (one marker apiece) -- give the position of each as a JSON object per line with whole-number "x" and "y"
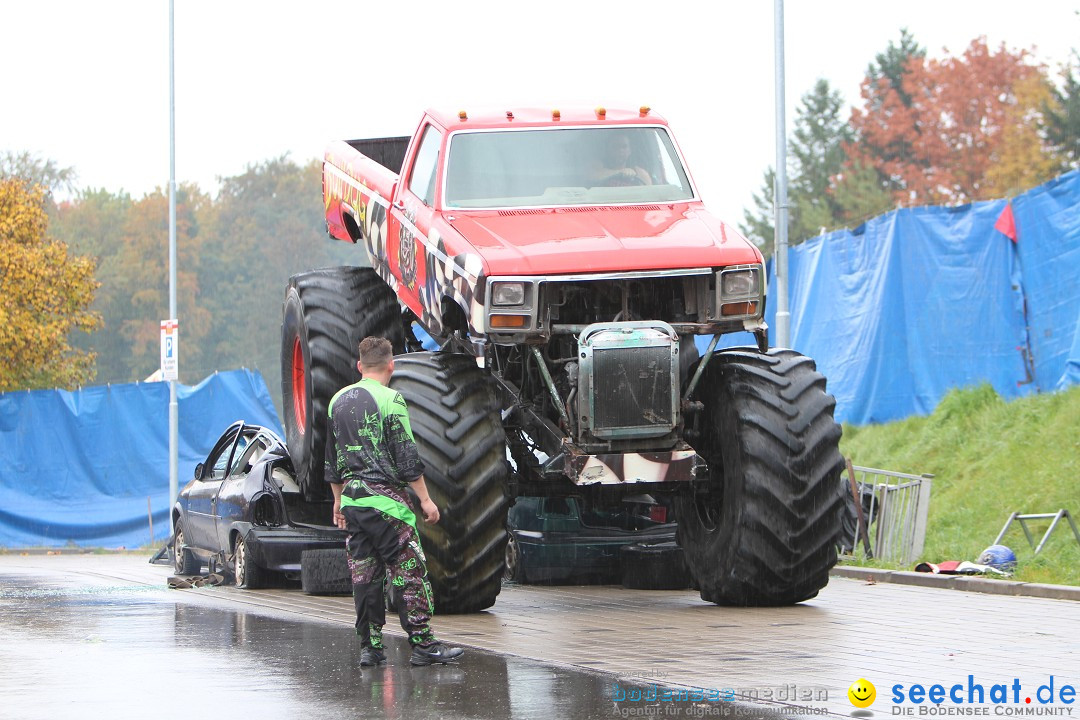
{"x": 564, "y": 266}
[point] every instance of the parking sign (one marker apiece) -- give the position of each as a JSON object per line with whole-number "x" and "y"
{"x": 170, "y": 338}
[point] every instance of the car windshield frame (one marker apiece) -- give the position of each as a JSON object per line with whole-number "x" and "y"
{"x": 553, "y": 167}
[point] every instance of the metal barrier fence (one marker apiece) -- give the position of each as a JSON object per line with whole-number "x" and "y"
{"x": 894, "y": 506}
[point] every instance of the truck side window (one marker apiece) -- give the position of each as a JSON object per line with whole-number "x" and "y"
{"x": 422, "y": 179}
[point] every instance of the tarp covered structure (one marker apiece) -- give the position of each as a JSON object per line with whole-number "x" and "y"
{"x": 77, "y": 467}
{"x": 921, "y": 300}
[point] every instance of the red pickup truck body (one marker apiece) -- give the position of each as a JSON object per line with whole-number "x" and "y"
{"x": 428, "y": 251}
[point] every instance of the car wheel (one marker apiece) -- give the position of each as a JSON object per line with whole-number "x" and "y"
{"x": 248, "y": 575}
{"x": 514, "y": 570}
{"x": 325, "y": 572}
{"x": 185, "y": 562}
{"x": 763, "y": 530}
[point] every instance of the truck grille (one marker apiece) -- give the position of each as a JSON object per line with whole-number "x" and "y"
{"x": 632, "y": 389}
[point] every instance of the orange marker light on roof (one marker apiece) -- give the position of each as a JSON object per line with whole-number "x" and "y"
{"x": 462, "y": 115}
{"x": 556, "y": 115}
{"x": 601, "y": 113}
{"x": 644, "y": 110}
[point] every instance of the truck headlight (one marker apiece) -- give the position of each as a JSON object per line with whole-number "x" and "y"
{"x": 507, "y": 293}
{"x": 739, "y": 284}
{"x": 740, "y": 292}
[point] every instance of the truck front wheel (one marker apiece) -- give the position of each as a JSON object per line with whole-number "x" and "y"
{"x": 326, "y": 315}
{"x": 763, "y": 529}
{"x": 455, "y": 418}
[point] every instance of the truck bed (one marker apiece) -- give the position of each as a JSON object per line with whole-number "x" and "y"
{"x": 388, "y": 152}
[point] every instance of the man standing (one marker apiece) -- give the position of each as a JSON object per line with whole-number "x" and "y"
{"x": 371, "y": 457}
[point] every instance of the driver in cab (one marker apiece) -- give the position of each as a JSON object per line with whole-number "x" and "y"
{"x": 614, "y": 168}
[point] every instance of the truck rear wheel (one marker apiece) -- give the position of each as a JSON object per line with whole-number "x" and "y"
{"x": 455, "y": 418}
{"x": 763, "y": 530}
{"x": 326, "y": 315}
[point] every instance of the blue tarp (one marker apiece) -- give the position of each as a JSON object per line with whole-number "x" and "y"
{"x": 78, "y": 467}
{"x": 922, "y": 300}
{"x": 913, "y": 303}
{"x": 1048, "y": 229}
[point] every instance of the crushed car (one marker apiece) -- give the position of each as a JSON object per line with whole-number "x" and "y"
{"x": 243, "y": 514}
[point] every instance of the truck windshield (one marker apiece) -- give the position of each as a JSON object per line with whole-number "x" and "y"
{"x": 559, "y": 167}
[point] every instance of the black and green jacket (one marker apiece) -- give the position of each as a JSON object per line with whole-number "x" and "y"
{"x": 370, "y": 448}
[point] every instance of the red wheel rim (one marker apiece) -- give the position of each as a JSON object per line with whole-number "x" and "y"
{"x": 299, "y": 387}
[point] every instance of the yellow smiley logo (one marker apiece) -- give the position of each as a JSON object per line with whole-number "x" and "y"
{"x": 862, "y": 693}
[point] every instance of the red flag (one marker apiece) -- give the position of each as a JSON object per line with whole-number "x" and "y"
{"x": 1006, "y": 223}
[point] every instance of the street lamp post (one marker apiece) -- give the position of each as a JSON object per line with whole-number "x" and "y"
{"x": 173, "y": 409}
{"x": 783, "y": 316}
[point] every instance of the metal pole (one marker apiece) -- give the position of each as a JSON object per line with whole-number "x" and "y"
{"x": 173, "y": 408}
{"x": 783, "y": 317}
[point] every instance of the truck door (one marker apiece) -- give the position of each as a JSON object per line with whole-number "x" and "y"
{"x": 410, "y": 220}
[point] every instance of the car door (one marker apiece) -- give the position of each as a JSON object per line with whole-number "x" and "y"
{"x": 234, "y": 495}
{"x": 410, "y": 219}
{"x": 200, "y": 525}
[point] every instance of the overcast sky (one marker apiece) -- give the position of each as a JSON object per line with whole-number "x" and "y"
{"x": 86, "y": 83}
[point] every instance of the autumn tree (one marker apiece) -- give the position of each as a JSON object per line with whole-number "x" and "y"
{"x": 47, "y": 295}
{"x": 265, "y": 225}
{"x": 1025, "y": 156}
{"x": 140, "y": 290}
{"x": 935, "y": 138}
{"x": 864, "y": 187}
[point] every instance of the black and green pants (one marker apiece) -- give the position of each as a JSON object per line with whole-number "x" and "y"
{"x": 384, "y": 549}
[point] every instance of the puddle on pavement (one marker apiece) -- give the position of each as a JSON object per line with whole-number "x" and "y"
{"x": 70, "y": 645}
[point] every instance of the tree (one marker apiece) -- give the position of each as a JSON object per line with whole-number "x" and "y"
{"x": 860, "y": 193}
{"x": 35, "y": 171}
{"x": 93, "y": 224}
{"x": 265, "y": 225}
{"x": 1024, "y": 157}
{"x": 886, "y": 103}
{"x": 139, "y": 291}
{"x": 47, "y": 294}
{"x": 757, "y": 224}
{"x": 935, "y": 138}
{"x": 1063, "y": 117}
{"x": 817, "y": 155}
{"x": 889, "y": 69}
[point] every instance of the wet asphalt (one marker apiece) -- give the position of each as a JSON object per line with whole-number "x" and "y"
{"x": 78, "y": 645}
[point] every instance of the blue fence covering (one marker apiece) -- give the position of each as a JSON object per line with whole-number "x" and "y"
{"x": 78, "y": 467}
{"x": 1048, "y": 242}
{"x": 922, "y": 300}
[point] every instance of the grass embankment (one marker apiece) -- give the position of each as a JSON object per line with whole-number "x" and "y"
{"x": 989, "y": 458}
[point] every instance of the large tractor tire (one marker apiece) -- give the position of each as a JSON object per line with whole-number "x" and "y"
{"x": 326, "y": 315}
{"x": 455, "y": 418}
{"x": 762, "y": 531}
